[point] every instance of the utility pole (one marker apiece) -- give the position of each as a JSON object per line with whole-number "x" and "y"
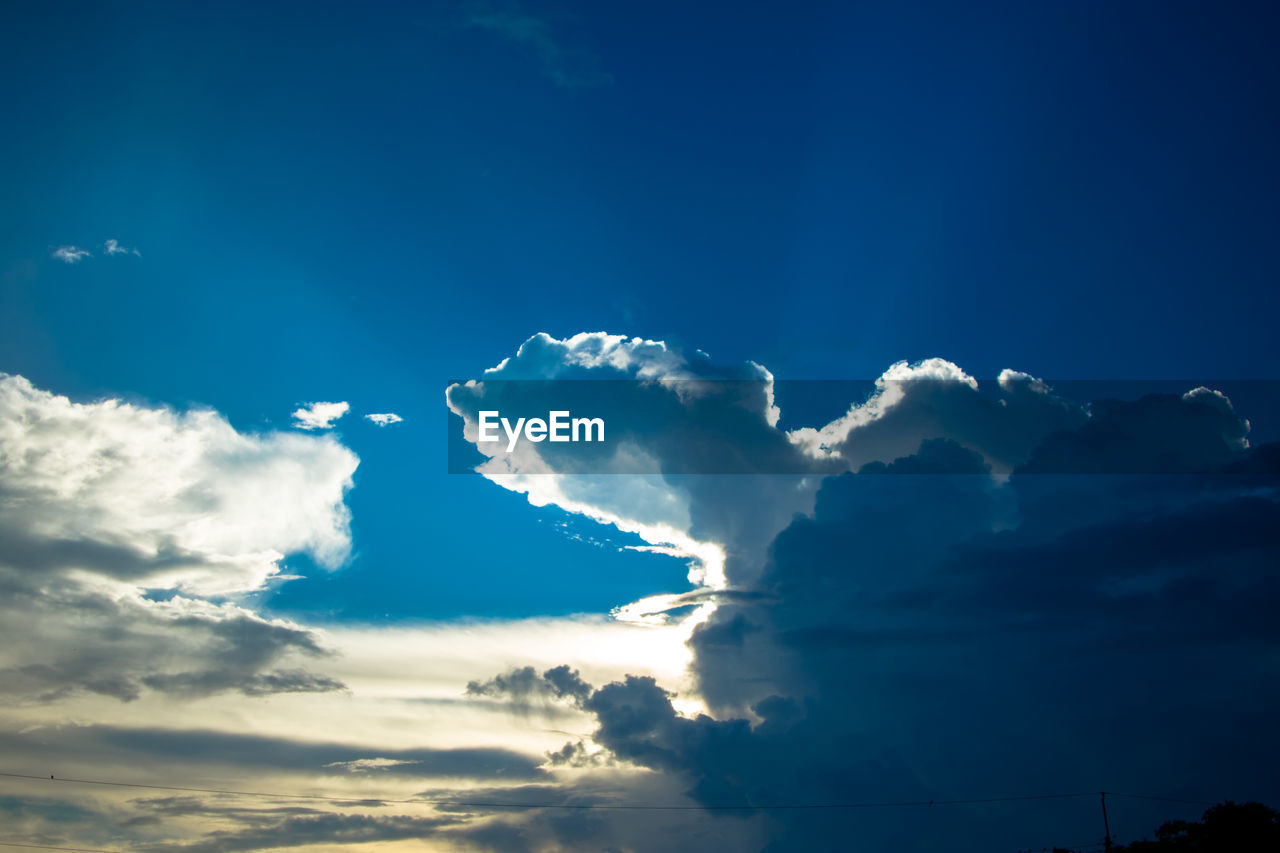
{"x": 1106, "y": 825}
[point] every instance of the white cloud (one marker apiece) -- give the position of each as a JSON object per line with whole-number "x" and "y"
{"x": 936, "y": 399}
{"x": 1010, "y": 380}
{"x": 184, "y": 498}
{"x": 319, "y": 415}
{"x": 113, "y": 247}
{"x": 671, "y": 514}
{"x": 106, "y": 500}
{"x": 724, "y": 525}
{"x": 362, "y": 765}
{"x": 109, "y": 499}
{"x": 70, "y": 254}
{"x": 384, "y": 418}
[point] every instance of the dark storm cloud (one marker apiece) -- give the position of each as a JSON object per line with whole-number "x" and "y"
{"x": 1015, "y": 593}
{"x": 939, "y": 635}
{"x": 1118, "y": 628}
{"x": 560, "y": 817}
{"x": 1158, "y": 433}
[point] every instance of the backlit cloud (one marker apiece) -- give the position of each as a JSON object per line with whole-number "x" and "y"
{"x": 108, "y": 500}
{"x": 859, "y": 631}
{"x": 992, "y": 559}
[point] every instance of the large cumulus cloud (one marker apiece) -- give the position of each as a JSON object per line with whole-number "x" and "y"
{"x": 701, "y": 444}
{"x": 653, "y": 385}
{"x": 1002, "y": 591}
{"x": 130, "y": 532}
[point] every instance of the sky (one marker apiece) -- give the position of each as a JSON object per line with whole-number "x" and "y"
{"x": 220, "y": 224}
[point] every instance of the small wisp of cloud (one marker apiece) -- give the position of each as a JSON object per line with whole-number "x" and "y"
{"x": 113, "y": 247}
{"x": 364, "y": 765}
{"x": 70, "y": 254}
{"x": 319, "y": 415}
{"x": 384, "y": 418}
{"x": 563, "y": 59}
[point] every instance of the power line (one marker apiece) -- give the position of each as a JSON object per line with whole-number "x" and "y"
{"x": 52, "y": 847}
{"x": 1161, "y": 799}
{"x": 585, "y": 806}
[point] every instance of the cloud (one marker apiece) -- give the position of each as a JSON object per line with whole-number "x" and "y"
{"x": 661, "y": 386}
{"x": 70, "y": 254}
{"x": 934, "y": 398}
{"x": 129, "y": 530}
{"x": 113, "y": 247}
{"x": 116, "y": 647}
{"x": 319, "y": 415}
{"x": 282, "y": 753}
{"x": 944, "y": 605}
{"x": 907, "y": 629}
{"x": 522, "y": 686}
{"x": 361, "y": 765}
{"x": 73, "y": 254}
{"x": 1157, "y": 434}
{"x": 133, "y": 546}
{"x": 992, "y": 589}
{"x": 384, "y": 418}
{"x": 298, "y": 830}
{"x": 250, "y": 684}
{"x": 163, "y": 498}
{"x": 560, "y": 55}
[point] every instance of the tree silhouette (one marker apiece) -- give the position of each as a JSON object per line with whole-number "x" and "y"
{"x": 1224, "y": 828}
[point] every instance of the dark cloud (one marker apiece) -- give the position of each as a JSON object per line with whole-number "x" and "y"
{"x": 1016, "y": 593}
{"x": 258, "y": 684}
{"x": 484, "y": 799}
{"x": 540, "y": 825}
{"x": 935, "y": 456}
{"x": 1157, "y": 434}
{"x": 107, "y": 745}
{"x": 301, "y": 830}
{"x": 566, "y": 683}
{"x": 522, "y": 686}
{"x": 1049, "y": 632}
{"x": 172, "y": 807}
{"x": 936, "y": 636}
{"x": 83, "y": 640}
{"x": 22, "y": 550}
{"x": 576, "y": 754}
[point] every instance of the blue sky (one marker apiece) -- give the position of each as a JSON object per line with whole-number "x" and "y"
{"x": 335, "y": 203}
